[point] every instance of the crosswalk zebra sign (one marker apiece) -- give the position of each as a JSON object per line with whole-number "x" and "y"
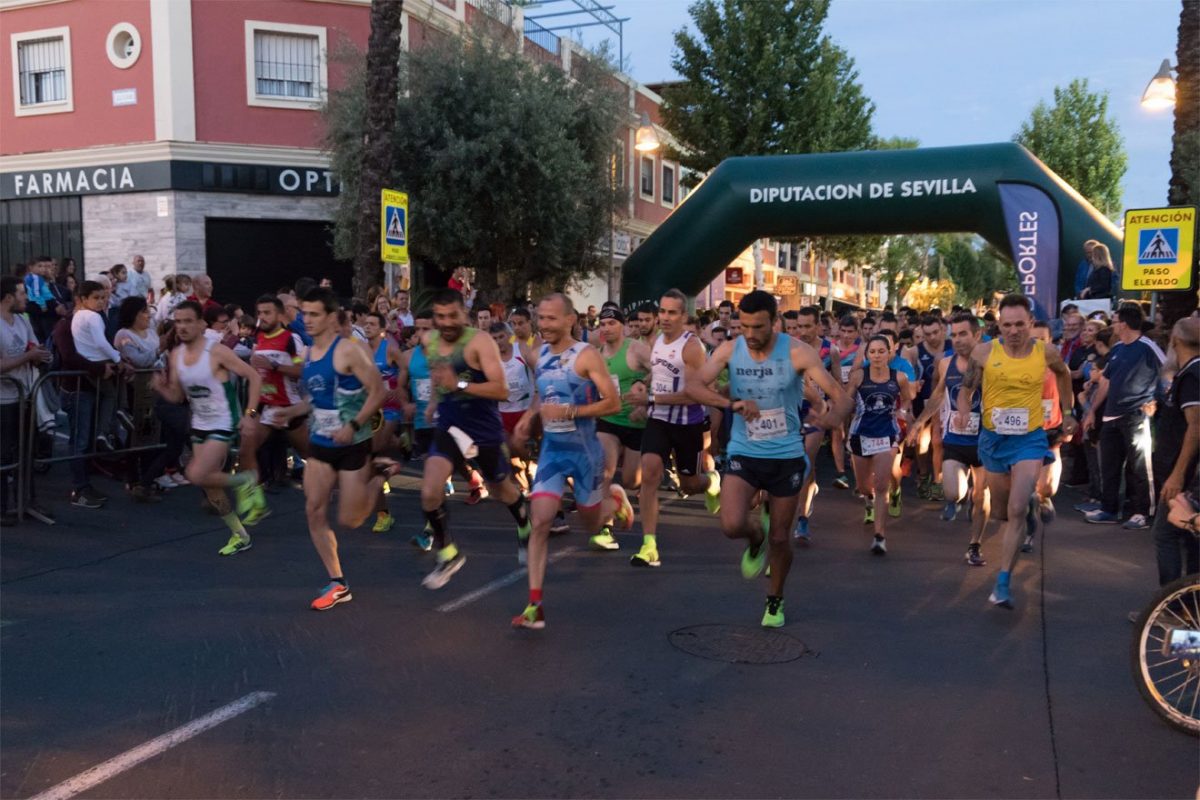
{"x": 1158, "y": 249}
{"x": 393, "y": 227}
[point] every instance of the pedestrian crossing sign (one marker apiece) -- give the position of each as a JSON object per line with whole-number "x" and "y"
{"x": 393, "y": 227}
{"x": 1158, "y": 249}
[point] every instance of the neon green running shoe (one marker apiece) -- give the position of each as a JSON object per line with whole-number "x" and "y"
{"x": 236, "y": 544}
{"x": 894, "y": 503}
{"x": 754, "y": 563}
{"x": 869, "y": 511}
{"x": 532, "y": 617}
{"x": 773, "y": 616}
{"x": 523, "y": 531}
{"x": 383, "y": 523}
{"x": 604, "y": 540}
{"x": 259, "y": 510}
{"x": 712, "y": 495}
{"x": 646, "y": 557}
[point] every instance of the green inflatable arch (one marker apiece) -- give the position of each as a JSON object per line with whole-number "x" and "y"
{"x": 1000, "y": 191}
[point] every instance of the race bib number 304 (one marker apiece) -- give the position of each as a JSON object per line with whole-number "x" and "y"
{"x": 1010, "y": 421}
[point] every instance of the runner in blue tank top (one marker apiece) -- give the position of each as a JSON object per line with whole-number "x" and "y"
{"x": 880, "y": 393}
{"x": 345, "y": 392}
{"x": 386, "y": 355}
{"x": 573, "y": 388}
{"x": 960, "y": 446}
{"x": 767, "y": 371}
{"x": 467, "y": 381}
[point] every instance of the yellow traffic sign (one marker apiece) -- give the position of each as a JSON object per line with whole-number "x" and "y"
{"x": 393, "y": 227}
{"x": 1158, "y": 249}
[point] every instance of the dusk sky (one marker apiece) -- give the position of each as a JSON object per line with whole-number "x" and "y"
{"x": 968, "y": 71}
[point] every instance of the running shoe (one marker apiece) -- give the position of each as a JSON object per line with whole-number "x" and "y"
{"x": 1137, "y": 522}
{"x": 669, "y": 482}
{"x": 800, "y": 534}
{"x": 449, "y": 487}
{"x": 560, "y": 526}
{"x": 949, "y": 511}
{"x": 712, "y": 495}
{"x": 178, "y": 479}
{"x": 1027, "y": 544}
{"x": 646, "y": 557}
{"x": 923, "y": 488}
{"x": 1047, "y": 510}
{"x": 974, "y": 557}
{"x": 1088, "y": 505}
{"x": 936, "y": 493}
{"x": 604, "y": 540}
{"x": 842, "y": 481}
{"x": 478, "y": 492}
{"x": 1001, "y": 596}
{"x": 624, "y": 512}
{"x": 894, "y": 503}
{"x": 334, "y": 592}
{"x": 868, "y": 510}
{"x": 450, "y": 561}
{"x": 383, "y": 523}
{"x": 532, "y": 617}
{"x": 87, "y": 497}
{"x": 1101, "y": 517}
{"x": 879, "y": 546}
{"x": 423, "y": 541}
{"x": 164, "y": 482}
{"x": 754, "y": 563}
{"x": 773, "y": 616}
{"x": 236, "y": 544}
{"x": 259, "y": 510}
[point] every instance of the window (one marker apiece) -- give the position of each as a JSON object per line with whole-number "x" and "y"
{"x": 42, "y": 78}
{"x": 285, "y": 65}
{"x": 647, "y": 185}
{"x": 668, "y": 184}
{"x": 618, "y": 165}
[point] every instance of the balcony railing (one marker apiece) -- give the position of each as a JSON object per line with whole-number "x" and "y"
{"x": 542, "y": 37}
{"x": 499, "y": 10}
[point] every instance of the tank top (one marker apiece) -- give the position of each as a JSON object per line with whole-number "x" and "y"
{"x": 387, "y": 371}
{"x": 559, "y": 384}
{"x": 875, "y": 406}
{"x": 952, "y": 434}
{"x": 477, "y": 417}
{"x": 280, "y": 349}
{"x": 214, "y": 403}
{"x": 520, "y": 387}
{"x": 928, "y": 363}
{"x": 667, "y": 377}
{"x": 1012, "y": 390}
{"x": 419, "y": 386}
{"x": 1052, "y": 416}
{"x": 777, "y": 389}
{"x": 336, "y": 398}
{"x": 847, "y": 362}
{"x": 623, "y": 380}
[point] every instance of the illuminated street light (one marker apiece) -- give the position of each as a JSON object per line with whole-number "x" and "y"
{"x": 646, "y": 139}
{"x": 1160, "y": 92}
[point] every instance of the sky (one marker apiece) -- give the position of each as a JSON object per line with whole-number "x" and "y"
{"x": 951, "y": 72}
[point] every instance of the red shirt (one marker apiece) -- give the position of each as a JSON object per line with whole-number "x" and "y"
{"x": 206, "y": 305}
{"x": 284, "y": 348}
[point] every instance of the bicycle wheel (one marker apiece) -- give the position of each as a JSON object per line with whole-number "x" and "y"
{"x": 1166, "y": 654}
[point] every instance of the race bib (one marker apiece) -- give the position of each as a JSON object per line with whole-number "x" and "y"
{"x": 424, "y": 390}
{"x": 1010, "y": 421}
{"x": 617, "y": 385}
{"x": 972, "y": 428}
{"x": 663, "y": 387}
{"x": 1047, "y": 409}
{"x": 558, "y": 425}
{"x": 846, "y": 368}
{"x": 873, "y": 445}
{"x": 770, "y": 424}
{"x": 326, "y": 422}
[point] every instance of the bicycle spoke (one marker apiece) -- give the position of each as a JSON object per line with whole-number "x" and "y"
{"x": 1187, "y": 612}
{"x": 1159, "y": 682}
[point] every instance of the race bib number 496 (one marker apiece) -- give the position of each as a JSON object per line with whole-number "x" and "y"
{"x": 1010, "y": 421}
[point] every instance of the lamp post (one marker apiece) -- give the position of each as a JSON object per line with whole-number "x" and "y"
{"x": 1160, "y": 92}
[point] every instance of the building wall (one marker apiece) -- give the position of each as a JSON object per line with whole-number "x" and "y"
{"x": 94, "y": 120}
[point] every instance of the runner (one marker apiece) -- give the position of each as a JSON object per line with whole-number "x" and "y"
{"x": 924, "y": 357}
{"x": 413, "y": 383}
{"x": 676, "y": 425}
{"x": 960, "y": 446}
{"x": 847, "y": 348}
{"x": 570, "y": 375}
{"x": 521, "y": 322}
{"x": 620, "y": 434}
{"x": 468, "y": 379}
{"x": 1041, "y": 507}
{"x": 201, "y": 373}
{"x": 880, "y": 394}
{"x": 767, "y": 372}
{"x": 518, "y": 375}
{"x": 808, "y": 330}
{"x": 647, "y": 323}
{"x": 386, "y": 355}
{"x": 1012, "y": 442}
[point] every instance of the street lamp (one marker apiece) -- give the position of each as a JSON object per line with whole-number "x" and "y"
{"x": 1160, "y": 92}
{"x": 646, "y": 140}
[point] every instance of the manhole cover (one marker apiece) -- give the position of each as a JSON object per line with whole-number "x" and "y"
{"x": 737, "y": 644}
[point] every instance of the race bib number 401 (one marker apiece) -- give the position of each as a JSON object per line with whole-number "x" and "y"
{"x": 770, "y": 424}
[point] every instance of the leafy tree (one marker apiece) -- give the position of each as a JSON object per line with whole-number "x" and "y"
{"x": 975, "y": 266}
{"x": 506, "y": 162}
{"x": 1079, "y": 140}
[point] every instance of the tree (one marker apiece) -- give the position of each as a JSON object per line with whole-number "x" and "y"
{"x": 1079, "y": 140}
{"x": 1185, "y": 145}
{"x": 762, "y": 79}
{"x": 375, "y": 157}
{"x": 506, "y": 162}
{"x": 976, "y": 268}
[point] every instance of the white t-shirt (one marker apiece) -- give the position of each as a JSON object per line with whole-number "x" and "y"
{"x": 15, "y": 339}
{"x": 87, "y": 327}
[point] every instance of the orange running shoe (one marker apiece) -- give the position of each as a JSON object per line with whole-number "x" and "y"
{"x": 331, "y": 595}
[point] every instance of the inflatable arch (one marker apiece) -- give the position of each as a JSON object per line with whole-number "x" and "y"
{"x": 999, "y": 191}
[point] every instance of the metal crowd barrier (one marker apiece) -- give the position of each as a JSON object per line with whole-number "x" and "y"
{"x": 20, "y": 466}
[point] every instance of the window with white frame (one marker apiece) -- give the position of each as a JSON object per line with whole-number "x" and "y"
{"x": 42, "y": 71}
{"x": 285, "y": 65}
{"x": 668, "y": 184}
{"x": 647, "y": 183}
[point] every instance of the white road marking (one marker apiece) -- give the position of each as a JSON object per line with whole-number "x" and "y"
{"x": 131, "y": 758}
{"x": 499, "y": 583}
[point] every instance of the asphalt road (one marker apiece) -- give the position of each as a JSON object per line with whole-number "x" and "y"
{"x": 123, "y": 624}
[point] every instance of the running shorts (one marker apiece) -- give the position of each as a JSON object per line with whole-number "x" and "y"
{"x": 778, "y": 477}
{"x": 200, "y": 437}
{"x": 422, "y": 439}
{"x": 585, "y": 467}
{"x": 491, "y": 459}
{"x": 874, "y": 444}
{"x": 965, "y": 454}
{"x": 630, "y": 438}
{"x": 999, "y": 452}
{"x": 685, "y": 441}
{"x": 350, "y": 458}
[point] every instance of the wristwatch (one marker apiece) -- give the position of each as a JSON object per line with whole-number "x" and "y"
{"x": 252, "y": 413}
{"x": 462, "y": 386}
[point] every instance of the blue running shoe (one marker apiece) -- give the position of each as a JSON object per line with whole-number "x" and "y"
{"x": 800, "y": 534}
{"x": 949, "y": 511}
{"x": 1001, "y": 596}
{"x": 1101, "y": 517}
